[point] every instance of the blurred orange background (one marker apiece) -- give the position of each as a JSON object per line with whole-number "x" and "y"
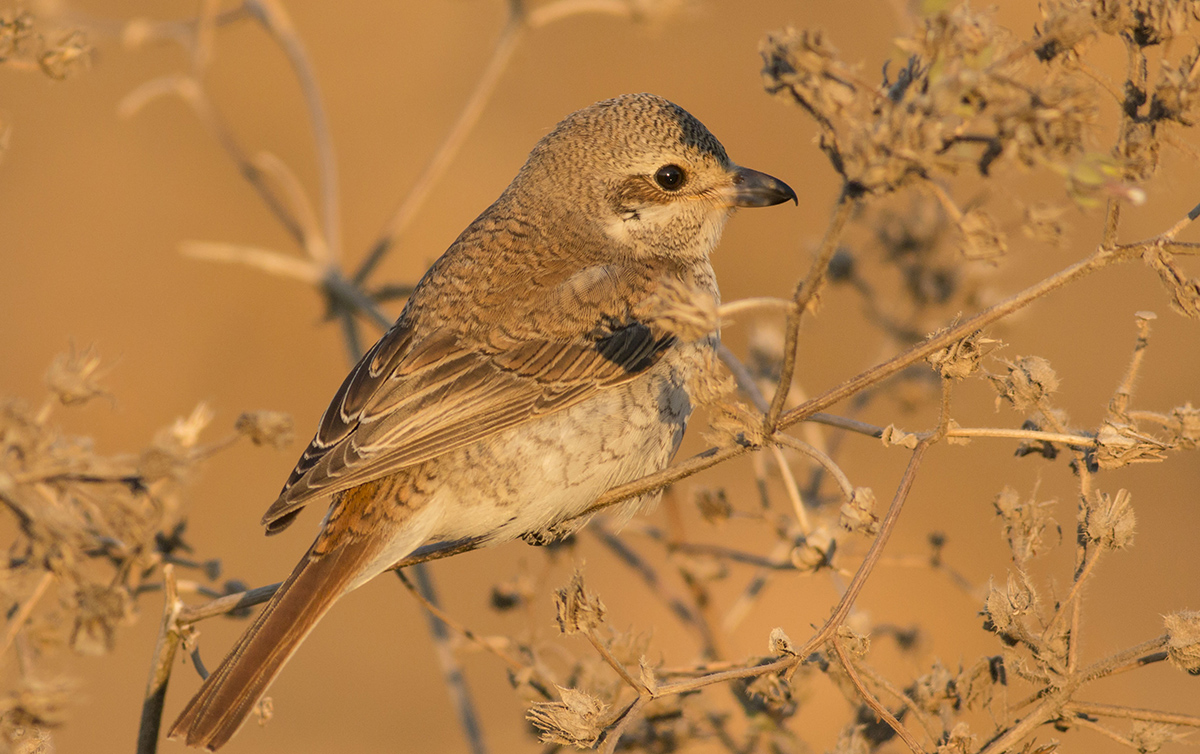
{"x": 93, "y": 208}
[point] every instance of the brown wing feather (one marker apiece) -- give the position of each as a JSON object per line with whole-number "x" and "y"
{"x": 408, "y": 401}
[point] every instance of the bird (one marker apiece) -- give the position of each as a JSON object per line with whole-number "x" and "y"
{"x": 522, "y": 380}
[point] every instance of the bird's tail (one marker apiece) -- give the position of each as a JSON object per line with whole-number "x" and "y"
{"x": 230, "y": 693}
{"x": 228, "y": 696}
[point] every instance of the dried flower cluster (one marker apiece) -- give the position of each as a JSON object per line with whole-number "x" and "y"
{"x": 23, "y": 45}
{"x": 91, "y": 532}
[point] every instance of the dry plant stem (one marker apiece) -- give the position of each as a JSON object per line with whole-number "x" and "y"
{"x": 459, "y": 628}
{"x": 1103, "y": 257}
{"x": 615, "y": 664}
{"x": 1064, "y": 438}
{"x": 160, "y": 671}
{"x": 456, "y": 682}
{"x": 824, "y": 460}
{"x": 275, "y": 20}
{"x": 793, "y": 490}
{"x": 731, "y": 308}
{"x": 1072, "y": 599}
{"x": 841, "y": 610}
{"x": 1051, "y": 705}
{"x": 510, "y": 37}
{"x": 880, "y": 711}
{"x": 18, "y": 621}
{"x": 1083, "y": 722}
{"x": 932, "y": 728}
{"x": 643, "y": 569}
{"x": 189, "y": 90}
{"x": 613, "y": 736}
{"x": 1128, "y": 659}
{"x": 1132, "y": 713}
{"x": 745, "y": 380}
{"x": 556, "y": 11}
{"x": 270, "y": 262}
{"x": 805, "y": 292}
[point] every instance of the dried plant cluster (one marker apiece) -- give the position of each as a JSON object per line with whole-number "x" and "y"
{"x": 91, "y": 534}
{"x": 26, "y": 45}
{"x": 971, "y": 104}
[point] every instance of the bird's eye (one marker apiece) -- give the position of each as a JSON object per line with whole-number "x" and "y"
{"x": 670, "y": 177}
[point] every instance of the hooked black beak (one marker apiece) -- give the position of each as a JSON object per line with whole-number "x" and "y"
{"x": 754, "y": 189}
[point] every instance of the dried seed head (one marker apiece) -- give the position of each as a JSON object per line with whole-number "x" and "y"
{"x": 186, "y": 431}
{"x": 99, "y": 610}
{"x": 773, "y": 695}
{"x": 74, "y": 376}
{"x": 1119, "y": 445}
{"x": 1043, "y": 222}
{"x": 266, "y": 428}
{"x": 1183, "y": 640}
{"x": 35, "y": 704}
{"x": 1149, "y": 737}
{"x": 815, "y": 552}
{"x": 1029, "y": 381}
{"x": 981, "y": 237}
{"x": 959, "y": 741}
{"x": 685, "y": 310}
{"x": 1144, "y": 22}
{"x": 961, "y": 358}
{"x": 805, "y": 66}
{"x": 894, "y": 436}
{"x": 733, "y": 423}
{"x": 935, "y": 689}
{"x": 1025, "y": 523}
{"x": 779, "y": 643}
{"x": 856, "y": 644}
{"x": 1186, "y": 428}
{"x": 713, "y": 503}
{"x": 1004, "y": 609}
{"x": 857, "y": 514}
{"x": 576, "y": 609}
{"x": 1109, "y": 521}
{"x": 577, "y": 720}
{"x": 1177, "y": 94}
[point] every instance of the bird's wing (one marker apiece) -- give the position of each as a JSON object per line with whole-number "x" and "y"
{"x": 410, "y": 400}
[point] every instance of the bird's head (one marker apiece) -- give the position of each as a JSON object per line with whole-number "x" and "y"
{"x": 646, "y": 174}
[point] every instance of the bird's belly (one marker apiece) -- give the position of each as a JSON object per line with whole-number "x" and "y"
{"x": 545, "y": 471}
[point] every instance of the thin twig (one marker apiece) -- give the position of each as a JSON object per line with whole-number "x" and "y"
{"x": 793, "y": 490}
{"x": 459, "y": 628}
{"x": 456, "y": 683}
{"x": 165, "y": 647}
{"x": 617, "y": 666}
{"x": 17, "y": 622}
{"x": 803, "y": 296}
{"x": 880, "y": 711}
{"x": 510, "y": 37}
{"x": 273, "y": 17}
{"x": 613, "y": 736}
{"x": 825, "y": 461}
{"x": 1132, "y": 713}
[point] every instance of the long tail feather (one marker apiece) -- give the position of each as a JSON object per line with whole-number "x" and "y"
{"x": 230, "y": 693}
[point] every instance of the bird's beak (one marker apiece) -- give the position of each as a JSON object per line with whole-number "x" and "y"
{"x": 754, "y": 189}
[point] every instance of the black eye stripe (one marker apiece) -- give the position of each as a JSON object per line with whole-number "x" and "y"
{"x": 670, "y": 177}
